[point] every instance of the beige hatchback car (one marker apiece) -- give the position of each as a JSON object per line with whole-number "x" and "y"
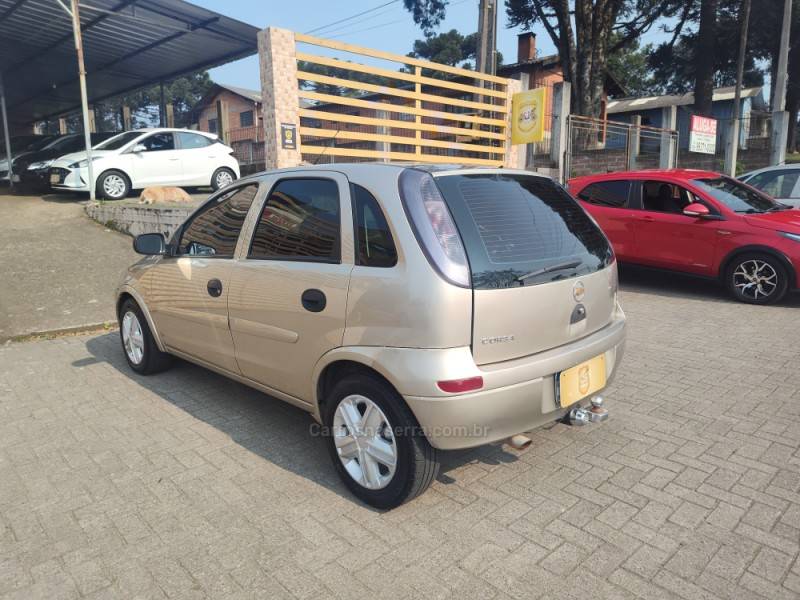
{"x": 409, "y": 309}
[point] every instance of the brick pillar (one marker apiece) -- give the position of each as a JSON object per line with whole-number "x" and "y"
{"x": 276, "y": 53}
{"x": 512, "y": 157}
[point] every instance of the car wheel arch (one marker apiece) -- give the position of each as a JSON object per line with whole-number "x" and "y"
{"x": 336, "y": 365}
{"x": 777, "y": 254}
{"x": 131, "y": 294}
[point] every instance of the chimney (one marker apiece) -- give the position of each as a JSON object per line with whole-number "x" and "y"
{"x": 526, "y": 46}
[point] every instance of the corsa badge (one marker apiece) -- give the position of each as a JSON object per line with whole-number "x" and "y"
{"x": 584, "y": 380}
{"x": 578, "y": 291}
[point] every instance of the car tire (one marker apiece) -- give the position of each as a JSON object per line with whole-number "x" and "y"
{"x": 222, "y": 177}
{"x": 113, "y": 185}
{"x": 391, "y": 432}
{"x": 138, "y": 344}
{"x": 771, "y": 278}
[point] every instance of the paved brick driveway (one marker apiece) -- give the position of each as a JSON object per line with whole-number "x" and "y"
{"x": 186, "y": 485}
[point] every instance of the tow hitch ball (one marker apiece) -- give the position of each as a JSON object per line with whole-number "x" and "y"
{"x": 595, "y": 414}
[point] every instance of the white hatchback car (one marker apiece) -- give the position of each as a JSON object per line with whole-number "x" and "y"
{"x": 148, "y": 157}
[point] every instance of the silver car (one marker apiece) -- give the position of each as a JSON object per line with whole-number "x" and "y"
{"x": 782, "y": 182}
{"x": 409, "y": 309}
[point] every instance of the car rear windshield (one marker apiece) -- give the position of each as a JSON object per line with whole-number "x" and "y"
{"x": 522, "y": 230}
{"x": 735, "y": 195}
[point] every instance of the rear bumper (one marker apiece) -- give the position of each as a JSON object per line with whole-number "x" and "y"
{"x": 518, "y": 395}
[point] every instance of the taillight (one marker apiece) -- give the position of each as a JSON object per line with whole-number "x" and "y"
{"x": 455, "y": 386}
{"x": 434, "y": 226}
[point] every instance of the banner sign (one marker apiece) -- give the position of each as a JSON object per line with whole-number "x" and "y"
{"x": 527, "y": 116}
{"x": 703, "y": 135}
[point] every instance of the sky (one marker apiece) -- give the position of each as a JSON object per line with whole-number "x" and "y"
{"x": 389, "y": 28}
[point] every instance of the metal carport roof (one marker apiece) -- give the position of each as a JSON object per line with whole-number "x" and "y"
{"x": 128, "y": 44}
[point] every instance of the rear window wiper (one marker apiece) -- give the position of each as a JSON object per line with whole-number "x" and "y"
{"x": 550, "y": 269}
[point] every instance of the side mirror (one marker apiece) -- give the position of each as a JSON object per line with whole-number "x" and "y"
{"x": 697, "y": 210}
{"x": 139, "y": 148}
{"x": 150, "y": 244}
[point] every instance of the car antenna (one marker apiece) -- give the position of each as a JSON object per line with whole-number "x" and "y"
{"x": 333, "y": 141}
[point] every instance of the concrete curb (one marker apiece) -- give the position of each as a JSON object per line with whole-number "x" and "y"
{"x": 63, "y": 332}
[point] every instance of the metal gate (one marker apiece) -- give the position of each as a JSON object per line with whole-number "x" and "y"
{"x": 602, "y": 146}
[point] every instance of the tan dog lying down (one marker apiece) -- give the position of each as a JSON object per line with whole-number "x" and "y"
{"x": 152, "y": 195}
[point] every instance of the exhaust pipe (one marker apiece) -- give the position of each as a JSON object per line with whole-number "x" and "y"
{"x": 520, "y": 442}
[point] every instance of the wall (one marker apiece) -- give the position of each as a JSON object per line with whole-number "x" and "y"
{"x": 135, "y": 219}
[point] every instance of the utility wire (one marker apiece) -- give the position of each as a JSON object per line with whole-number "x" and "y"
{"x": 363, "y": 12}
{"x": 345, "y": 26}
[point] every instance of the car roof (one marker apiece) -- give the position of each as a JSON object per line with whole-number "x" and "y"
{"x": 171, "y": 129}
{"x": 679, "y": 174}
{"x": 362, "y": 168}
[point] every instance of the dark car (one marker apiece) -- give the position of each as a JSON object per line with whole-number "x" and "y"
{"x": 32, "y": 168}
{"x": 20, "y": 145}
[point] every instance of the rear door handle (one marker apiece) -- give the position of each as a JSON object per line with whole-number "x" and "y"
{"x": 646, "y": 218}
{"x": 314, "y": 300}
{"x": 214, "y": 288}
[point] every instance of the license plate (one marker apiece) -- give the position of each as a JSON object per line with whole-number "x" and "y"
{"x": 15, "y": 178}
{"x": 55, "y": 178}
{"x": 582, "y": 380}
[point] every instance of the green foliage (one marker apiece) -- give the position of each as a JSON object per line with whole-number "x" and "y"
{"x": 629, "y": 66}
{"x": 450, "y": 48}
{"x": 341, "y": 73}
{"x": 673, "y": 63}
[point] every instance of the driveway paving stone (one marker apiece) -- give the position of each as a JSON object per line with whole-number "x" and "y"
{"x": 188, "y": 485}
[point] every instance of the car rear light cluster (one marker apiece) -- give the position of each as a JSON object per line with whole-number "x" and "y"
{"x": 434, "y": 226}
{"x": 457, "y": 386}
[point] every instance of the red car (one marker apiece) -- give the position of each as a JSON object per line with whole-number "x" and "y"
{"x": 698, "y": 222}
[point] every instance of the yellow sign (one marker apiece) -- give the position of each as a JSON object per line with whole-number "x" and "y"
{"x": 527, "y": 116}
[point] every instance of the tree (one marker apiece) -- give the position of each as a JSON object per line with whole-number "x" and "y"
{"x": 630, "y": 67}
{"x": 705, "y": 57}
{"x": 583, "y": 36}
{"x": 450, "y": 48}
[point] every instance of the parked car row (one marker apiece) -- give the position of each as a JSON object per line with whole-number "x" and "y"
{"x": 126, "y": 161}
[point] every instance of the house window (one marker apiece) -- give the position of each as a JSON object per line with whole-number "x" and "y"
{"x": 246, "y": 118}
{"x": 212, "y": 126}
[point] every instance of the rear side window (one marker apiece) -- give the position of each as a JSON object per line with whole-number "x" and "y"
{"x": 193, "y": 140}
{"x": 300, "y": 221}
{"x": 374, "y": 243}
{"x": 215, "y": 229}
{"x": 607, "y": 193}
{"x": 522, "y": 230}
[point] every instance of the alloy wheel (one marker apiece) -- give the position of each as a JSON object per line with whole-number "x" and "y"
{"x": 755, "y": 279}
{"x": 132, "y": 337}
{"x": 365, "y": 442}
{"x": 114, "y": 186}
{"x": 224, "y": 178}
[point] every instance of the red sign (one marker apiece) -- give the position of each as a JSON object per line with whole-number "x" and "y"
{"x": 703, "y": 125}
{"x": 703, "y": 135}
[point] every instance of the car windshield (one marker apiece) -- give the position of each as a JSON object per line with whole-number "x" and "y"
{"x": 118, "y": 141}
{"x": 735, "y": 195}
